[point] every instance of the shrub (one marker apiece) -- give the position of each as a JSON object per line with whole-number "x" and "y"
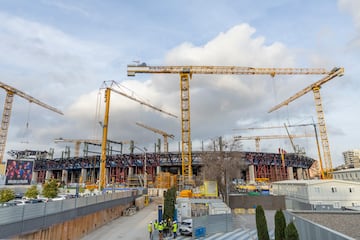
{"x": 291, "y": 232}
{"x": 280, "y": 225}
{"x": 261, "y": 224}
{"x": 50, "y": 189}
{"x": 6, "y": 194}
{"x": 32, "y": 192}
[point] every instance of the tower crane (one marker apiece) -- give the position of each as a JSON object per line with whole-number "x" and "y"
{"x": 110, "y": 86}
{"x": 258, "y": 138}
{"x": 186, "y": 73}
{"x": 315, "y": 87}
{"x": 164, "y": 134}
{"x": 10, "y": 92}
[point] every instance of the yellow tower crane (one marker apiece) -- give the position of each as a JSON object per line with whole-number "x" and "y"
{"x": 164, "y": 134}
{"x": 186, "y": 73}
{"x": 258, "y": 138}
{"x": 315, "y": 87}
{"x": 110, "y": 86}
{"x": 10, "y": 92}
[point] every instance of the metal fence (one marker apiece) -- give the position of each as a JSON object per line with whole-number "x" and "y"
{"x": 18, "y": 220}
{"x": 213, "y": 223}
{"x": 312, "y": 231}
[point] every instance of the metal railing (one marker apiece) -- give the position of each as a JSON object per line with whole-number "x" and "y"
{"x": 16, "y": 220}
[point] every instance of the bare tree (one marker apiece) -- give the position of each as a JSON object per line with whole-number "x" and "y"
{"x": 222, "y": 162}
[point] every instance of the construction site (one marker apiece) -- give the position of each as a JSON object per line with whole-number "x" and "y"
{"x": 109, "y": 164}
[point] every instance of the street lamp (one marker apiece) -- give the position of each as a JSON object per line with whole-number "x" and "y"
{"x": 145, "y": 174}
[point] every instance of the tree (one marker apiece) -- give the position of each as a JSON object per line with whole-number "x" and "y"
{"x": 261, "y": 225}
{"x": 291, "y": 232}
{"x": 169, "y": 203}
{"x": 280, "y": 225}
{"x": 50, "y": 189}
{"x": 32, "y": 192}
{"x": 6, "y": 194}
{"x": 220, "y": 166}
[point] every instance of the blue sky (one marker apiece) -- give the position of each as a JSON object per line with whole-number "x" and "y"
{"x": 61, "y": 51}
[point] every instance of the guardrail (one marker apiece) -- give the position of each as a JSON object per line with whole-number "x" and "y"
{"x": 17, "y": 220}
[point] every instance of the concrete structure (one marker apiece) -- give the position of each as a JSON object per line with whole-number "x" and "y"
{"x": 316, "y": 193}
{"x": 351, "y": 174}
{"x": 352, "y": 158}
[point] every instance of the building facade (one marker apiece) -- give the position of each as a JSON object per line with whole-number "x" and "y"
{"x": 350, "y": 174}
{"x": 352, "y": 158}
{"x": 315, "y": 194}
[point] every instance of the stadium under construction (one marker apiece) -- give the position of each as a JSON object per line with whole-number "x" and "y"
{"x": 128, "y": 169}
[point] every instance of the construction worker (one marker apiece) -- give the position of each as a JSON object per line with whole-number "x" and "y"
{"x": 174, "y": 229}
{"x": 150, "y": 230}
{"x": 156, "y": 224}
{"x": 161, "y": 228}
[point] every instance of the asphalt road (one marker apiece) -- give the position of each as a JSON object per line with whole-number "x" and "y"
{"x": 127, "y": 227}
{"x": 135, "y": 227}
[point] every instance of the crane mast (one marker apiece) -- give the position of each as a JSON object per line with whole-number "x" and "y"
{"x": 10, "y": 92}
{"x": 110, "y": 87}
{"x": 164, "y": 134}
{"x": 315, "y": 87}
{"x": 186, "y": 73}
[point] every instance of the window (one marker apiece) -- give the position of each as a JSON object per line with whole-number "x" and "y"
{"x": 333, "y": 189}
{"x": 317, "y": 189}
{"x": 351, "y": 189}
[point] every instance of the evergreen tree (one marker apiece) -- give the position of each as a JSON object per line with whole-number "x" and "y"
{"x": 6, "y": 194}
{"x": 32, "y": 192}
{"x": 280, "y": 225}
{"x": 50, "y": 189}
{"x": 169, "y": 203}
{"x": 261, "y": 224}
{"x": 291, "y": 232}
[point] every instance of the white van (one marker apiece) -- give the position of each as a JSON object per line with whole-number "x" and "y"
{"x": 186, "y": 227}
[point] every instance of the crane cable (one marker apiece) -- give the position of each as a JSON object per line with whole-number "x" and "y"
{"x": 27, "y": 124}
{"x": 97, "y": 119}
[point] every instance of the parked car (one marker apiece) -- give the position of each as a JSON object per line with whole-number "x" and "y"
{"x": 186, "y": 227}
{"x": 18, "y": 202}
{"x": 58, "y": 198}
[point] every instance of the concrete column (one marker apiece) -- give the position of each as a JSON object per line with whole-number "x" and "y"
{"x": 107, "y": 174}
{"x": 64, "y": 176}
{"x": 306, "y": 173}
{"x": 290, "y": 173}
{"x": 83, "y": 175}
{"x": 72, "y": 177}
{"x": 48, "y": 174}
{"x": 299, "y": 173}
{"x": 34, "y": 177}
{"x": 158, "y": 170}
{"x": 251, "y": 174}
{"x": 131, "y": 172}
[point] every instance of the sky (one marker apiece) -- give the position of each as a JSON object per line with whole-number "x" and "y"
{"x": 64, "y": 53}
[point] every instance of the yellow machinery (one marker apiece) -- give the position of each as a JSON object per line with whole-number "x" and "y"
{"x": 108, "y": 88}
{"x": 258, "y": 138}
{"x": 164, "y": 134}
{"x": 315, "y": 87}
{"x": 10, "y": 92}
{"x": 186, "y": 73}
